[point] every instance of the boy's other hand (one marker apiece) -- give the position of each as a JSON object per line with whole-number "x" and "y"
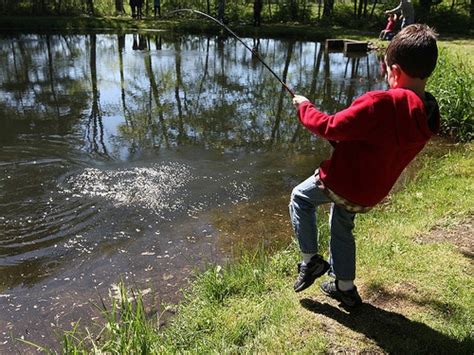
{"x": 299, "y": 99}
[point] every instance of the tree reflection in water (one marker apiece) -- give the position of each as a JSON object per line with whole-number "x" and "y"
{"x": 186, "y": 90}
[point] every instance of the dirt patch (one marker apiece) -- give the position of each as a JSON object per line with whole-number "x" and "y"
{"x": 461, "y": 235}
{"x": 396, "y": 299}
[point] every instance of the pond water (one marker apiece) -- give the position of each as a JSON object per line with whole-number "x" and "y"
{"x": 145, "y": 157}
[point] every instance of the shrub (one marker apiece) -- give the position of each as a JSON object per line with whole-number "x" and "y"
{"x": 452, "y": 83}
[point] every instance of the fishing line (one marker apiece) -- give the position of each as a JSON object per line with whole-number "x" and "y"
{"x": 255, "y": 53}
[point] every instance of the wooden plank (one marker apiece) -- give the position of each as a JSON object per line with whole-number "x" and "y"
{"x": 334, "y": 44}
{"x": 355, "y": 46}
{"x": 355, "y": 54}
{"x": 346, "y": 45}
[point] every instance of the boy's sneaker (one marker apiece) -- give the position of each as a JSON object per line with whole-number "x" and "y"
{"x": 316, "y": 267}
{"x": 349, "y": 298}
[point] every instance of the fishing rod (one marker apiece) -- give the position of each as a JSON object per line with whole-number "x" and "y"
{"x": 255, "y": 53}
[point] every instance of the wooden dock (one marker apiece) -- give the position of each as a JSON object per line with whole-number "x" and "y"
{"x": 346, "y": 45}
{"x": 334, "y": 44}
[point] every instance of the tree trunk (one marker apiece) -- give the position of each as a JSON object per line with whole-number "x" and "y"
{"x": 119, "y": 9}
{"x": 304, "y": 10}
{"x": 425, "y": 8}
{"x": 90, "y": 7}
{"x": 328, "y": 7}
{"x": 359, "y": 10}
{"x": 373, "y": 8}
{"x": 221, "y": 10}
{"x": 58, "y": 7}
{"x": 293, "y": 10}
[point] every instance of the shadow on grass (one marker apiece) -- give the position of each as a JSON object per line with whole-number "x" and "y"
{"x": 393, "y": 332}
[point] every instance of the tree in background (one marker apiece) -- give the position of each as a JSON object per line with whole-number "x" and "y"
{"x": 294, "y": 10}
{"x": 119, "y": 9}
{"x": 328, "y": 7}
{"x": 221, "y": 10}
{"x": 90, "y": 7}
{"x": 454, "y": 15}
{"x": 257, "y": 12}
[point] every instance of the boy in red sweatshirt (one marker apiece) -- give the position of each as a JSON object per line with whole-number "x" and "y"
{"x": 374, "y": 140}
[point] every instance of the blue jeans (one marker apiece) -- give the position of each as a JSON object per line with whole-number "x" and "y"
{"x": 304, "y": 199}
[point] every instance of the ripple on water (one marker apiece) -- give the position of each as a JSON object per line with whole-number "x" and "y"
{"x": 160, "y": 187}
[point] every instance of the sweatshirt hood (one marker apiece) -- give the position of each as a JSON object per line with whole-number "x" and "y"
{"x": 421, "y": 120}
{"x": 432, "y": 111}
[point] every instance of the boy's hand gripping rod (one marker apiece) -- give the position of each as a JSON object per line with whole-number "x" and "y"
{"x": 291, "y": 92}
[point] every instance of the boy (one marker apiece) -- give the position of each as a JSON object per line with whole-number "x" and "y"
{"x": 374, "y": 140}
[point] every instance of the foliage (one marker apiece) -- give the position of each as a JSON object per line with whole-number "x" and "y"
{"x": 452, "y": 84}
{"x": 447, "y": 19}
{"x": 445, "y": 15}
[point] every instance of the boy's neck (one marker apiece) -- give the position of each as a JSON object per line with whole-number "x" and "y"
{"x": 414, "y": 84}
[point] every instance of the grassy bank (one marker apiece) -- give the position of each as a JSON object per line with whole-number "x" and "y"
{"x": 414, "y": 273}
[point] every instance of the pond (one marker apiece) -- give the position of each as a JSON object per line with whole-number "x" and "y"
{"x": 144, "y": 158}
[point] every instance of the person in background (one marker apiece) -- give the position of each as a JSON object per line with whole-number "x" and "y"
{"x": 139, "y": 9}
{"x": 374, "y": 139}
{"x": 405, "y": 8}
{"x": 157, "y": 7}
{"x": 257, "y": 12}
{"x": 388, "y": 32}
{"x": 133, "y": 7}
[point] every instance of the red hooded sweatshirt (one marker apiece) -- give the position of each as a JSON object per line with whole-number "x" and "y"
{"x": 390, "y": 25}
{"x": 377, "y": 136}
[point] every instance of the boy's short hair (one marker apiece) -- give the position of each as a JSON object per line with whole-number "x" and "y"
{"x": 414, "y": 49}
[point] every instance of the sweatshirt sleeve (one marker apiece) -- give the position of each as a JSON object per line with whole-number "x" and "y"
{"x": 353, "y": 123}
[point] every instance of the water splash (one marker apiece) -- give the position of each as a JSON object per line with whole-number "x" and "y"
{"x": 160, "y": 187}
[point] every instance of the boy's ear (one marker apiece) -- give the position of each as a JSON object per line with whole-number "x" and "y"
{"x": 396, "y": 70}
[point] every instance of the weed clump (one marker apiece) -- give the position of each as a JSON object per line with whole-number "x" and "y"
{"x": 452, "y": 83}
